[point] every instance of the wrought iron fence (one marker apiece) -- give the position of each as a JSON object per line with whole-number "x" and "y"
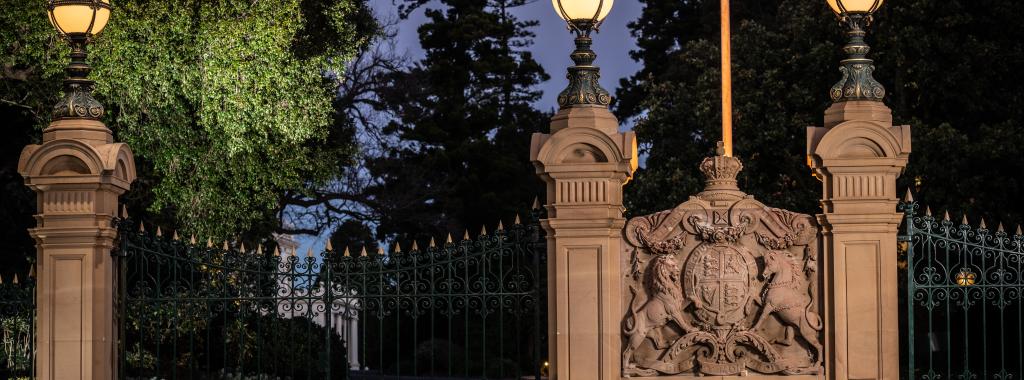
{"x": 464, "y": 309}
{"x": 17, "y": 326}
{"x": 965, "y": 318}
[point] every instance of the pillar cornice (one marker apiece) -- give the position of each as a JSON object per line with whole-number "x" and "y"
{"x": 78, "y": 172}
{"x": 584, "y": 162}
{"x": 858, "y": 155}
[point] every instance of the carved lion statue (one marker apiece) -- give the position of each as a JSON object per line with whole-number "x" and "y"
{"x": 648, "y": 316}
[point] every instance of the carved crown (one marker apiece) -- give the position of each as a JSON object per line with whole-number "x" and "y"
{"x": 720, "y": 171}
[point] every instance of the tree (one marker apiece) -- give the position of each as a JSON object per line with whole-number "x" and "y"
{"x": 929, "y": 54}
{"x": 226, "y": 104}
{"x": 465, "y": 115}
{"x": 453, "y": 129}
{"x": 781, "y": 74}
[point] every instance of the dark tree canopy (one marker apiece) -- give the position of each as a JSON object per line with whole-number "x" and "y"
{"x": 949, "y": 68}
{"x": 463, "y": 116}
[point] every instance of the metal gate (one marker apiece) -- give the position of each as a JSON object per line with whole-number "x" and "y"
{"x": 17, "y": 325}
{"x": 462, "y": 309}
{"x": 965, "y": 318}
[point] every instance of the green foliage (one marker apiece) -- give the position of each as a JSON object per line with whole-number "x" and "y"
{"x": 464, "y": 116}
{"x": 16, "y": 343}
{"x": 227, "y": 104}
{"x": 950, "y": 68}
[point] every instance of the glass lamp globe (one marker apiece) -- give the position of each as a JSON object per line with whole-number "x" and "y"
{"x": 574, "y": 10}
{"x": 79, "y": 17}
{"x": 854, "y": 6}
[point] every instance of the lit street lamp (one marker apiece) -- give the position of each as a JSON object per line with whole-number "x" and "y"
{"x": 78, "y": 21}
{"x": 857, "y": 82}
{"x": 583, "y": 16}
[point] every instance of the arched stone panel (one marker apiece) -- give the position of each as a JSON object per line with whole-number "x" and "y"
{"x": 560, "y": 146}
{"x": 60, "y": 157}
{"x": 862, "y": 139}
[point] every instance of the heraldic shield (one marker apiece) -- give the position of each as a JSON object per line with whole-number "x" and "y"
{"x": 721, "y": 285}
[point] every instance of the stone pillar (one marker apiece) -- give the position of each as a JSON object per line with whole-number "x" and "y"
{"x": 584, "y": 161}
{"x": 78, "y": 172}
{"x": 858, "y": 155}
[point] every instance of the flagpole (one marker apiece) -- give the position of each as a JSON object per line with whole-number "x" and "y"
{"x": 726, "y": 80}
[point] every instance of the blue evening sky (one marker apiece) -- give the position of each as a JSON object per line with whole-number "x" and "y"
{"x": 551, "y": 46}
{"x": 551, "y": 49}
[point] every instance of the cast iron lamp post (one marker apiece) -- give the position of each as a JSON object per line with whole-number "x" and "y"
{"x": 857, "y": 84}
{"x": 583, "y": 16}
{"x": 78, "y": 21}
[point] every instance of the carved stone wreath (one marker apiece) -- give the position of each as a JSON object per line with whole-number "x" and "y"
{"x": 745, "y": 298}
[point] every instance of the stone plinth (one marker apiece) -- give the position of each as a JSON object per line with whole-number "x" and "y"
{"x": 584, "y": 163}
{"x": 858, "y": 155}
{"x": 78, "y": 172}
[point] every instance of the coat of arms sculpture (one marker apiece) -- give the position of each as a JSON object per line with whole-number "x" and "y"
{"x": 721, "y": 285}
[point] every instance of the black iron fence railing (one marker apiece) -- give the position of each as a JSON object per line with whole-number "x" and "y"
{"x": 462, "y": 309}
{"x": 963, "y": 298}
{"x": 17, "y": 322}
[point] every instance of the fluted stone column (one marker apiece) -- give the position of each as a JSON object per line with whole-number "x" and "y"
{"x": 78, "y": 172}
{"x": 858, "y": 155}
{"x": 584, "y": 161}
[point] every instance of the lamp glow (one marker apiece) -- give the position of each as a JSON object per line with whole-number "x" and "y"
{"x": 79, "y": 17}
{"x": 570, "y": 10}
{"x": 854, "y": 6}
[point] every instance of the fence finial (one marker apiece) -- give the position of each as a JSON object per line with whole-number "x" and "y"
{"x": 329, "y": 246}
{"x": 500, "y": 226}
{"x": 142, "y": 227}
{"x": 1, "y": 279}
{"x": 1019, "y": 231}
{"x": 124, "y": 212}
{"x": 415, "y": 247}
{"x": 346, "y": 253}
{"x": 363, "y": 252}
{"x": 175, "y": 236}
{"x": 15, "y": 281}
{"x": 946, "y": 216}
{"x": 398, "y": 247}
{"x": 380, "y": 251}
{"x": 259, "y": 249}
{"x": 158, "y": 232}
{"x": 209, "y": 242}
{"x": 226, "y": 246}
{"x": 449, "y": 238}
{"x": 309, "y": 252}
{"x": 965, "y": 222}
{"x": 32, "y": 271}
{"x": 277, "y": 251}
{"x": 432, "y": 243}
{"x": 242, "y": 247}
{"x": 483, "y": 230}
{"x": 927, "y": 211}
{"x": 1000, "y": 228}
{"x": 465, "y": 236}
{"x": 518, "y": 221}
{"x": 536, "y": 203}
{"x": 909, "y": 198}
{"x": 982, "y": 224}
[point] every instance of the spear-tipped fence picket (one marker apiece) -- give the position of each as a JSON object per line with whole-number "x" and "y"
{"x": 465, "y": 309}
{"x": 963, "y": 299}
{"x": 17, "y": 324}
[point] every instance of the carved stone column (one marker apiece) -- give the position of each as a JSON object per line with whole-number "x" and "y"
{"x": 78, "y": 172}
{"x": 584, "y": 162}
{"x": 858, "y": 155}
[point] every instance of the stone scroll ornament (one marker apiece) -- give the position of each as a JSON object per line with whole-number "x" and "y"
{"x": 721, "y": 285}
